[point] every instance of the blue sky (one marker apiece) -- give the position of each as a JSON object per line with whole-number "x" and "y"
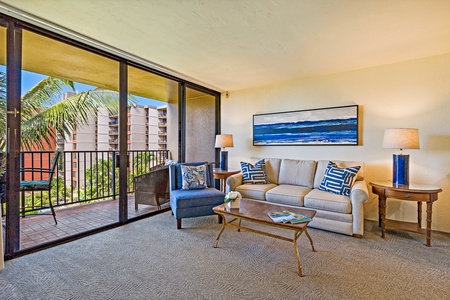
{"x": 30, "y": 79}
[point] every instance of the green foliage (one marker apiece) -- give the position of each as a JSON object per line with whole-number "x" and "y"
{"x": 99, "y": 180}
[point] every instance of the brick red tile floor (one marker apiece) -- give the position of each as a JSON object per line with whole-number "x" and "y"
{"x": 38, "y": 229}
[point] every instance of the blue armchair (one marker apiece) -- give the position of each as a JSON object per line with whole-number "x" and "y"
{"x": 188, "y": 203}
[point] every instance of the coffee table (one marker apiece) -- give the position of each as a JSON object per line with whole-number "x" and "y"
{"x": 256, "y": 212}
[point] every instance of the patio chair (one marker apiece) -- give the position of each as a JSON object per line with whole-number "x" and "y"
{"x": 152, "y": 188}
{"x": 188, "y": 203}
{"x": 42, "y": 184}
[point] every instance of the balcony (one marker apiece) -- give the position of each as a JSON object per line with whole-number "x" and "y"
{"x": 85, "y": 195}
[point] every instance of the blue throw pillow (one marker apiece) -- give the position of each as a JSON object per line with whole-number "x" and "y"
{"x": 193, "y": 177}
{"x": 338, "y": 180}
{"x": 254, "y": 174}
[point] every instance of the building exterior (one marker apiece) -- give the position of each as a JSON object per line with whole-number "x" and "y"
{"x": 146, "y": 130}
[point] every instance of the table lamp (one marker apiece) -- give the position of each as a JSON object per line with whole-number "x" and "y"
{"x": 401, "y": 138}
{"x": 223, "y": 141}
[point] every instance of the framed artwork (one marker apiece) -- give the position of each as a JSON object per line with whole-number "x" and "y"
{"x": 321, "y": 126}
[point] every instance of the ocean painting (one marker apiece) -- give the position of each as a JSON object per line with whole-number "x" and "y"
{"x": 324, "y": 126}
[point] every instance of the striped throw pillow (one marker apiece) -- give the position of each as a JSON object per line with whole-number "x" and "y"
{"x": 254, "y": 174}
{"x": 338, "y": 180}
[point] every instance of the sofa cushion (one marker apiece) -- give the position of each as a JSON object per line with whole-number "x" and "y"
{"x": 327, "y": 201}
{"x": 322, "y": 166}
{"x": 254, "y": 174}
{"x": 255, "y": 191}
{"x": 287, "y": 194}
{"x": 272, "y": 167}
{"x": 193, "y": 177}
{"x": 338, "y": 180}
{"x": 297, "y": 172}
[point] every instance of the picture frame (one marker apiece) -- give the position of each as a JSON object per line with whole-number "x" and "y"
{"x": 321, "y": 126}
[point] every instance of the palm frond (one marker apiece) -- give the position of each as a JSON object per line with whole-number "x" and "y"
{"x": 44, "y": 94}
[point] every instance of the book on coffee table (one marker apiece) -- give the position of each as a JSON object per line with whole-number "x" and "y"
{"x": 286, "y": 216}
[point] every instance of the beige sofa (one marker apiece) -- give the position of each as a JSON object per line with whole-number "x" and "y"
{"x": 296, "y": 182}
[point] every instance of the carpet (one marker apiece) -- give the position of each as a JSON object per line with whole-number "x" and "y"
{"x": 151, "y": 259}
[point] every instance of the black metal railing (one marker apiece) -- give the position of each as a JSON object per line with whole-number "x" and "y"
{"x": 83, "y": 176}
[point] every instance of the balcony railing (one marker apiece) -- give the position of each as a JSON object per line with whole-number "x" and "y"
{"x": 84, "y": 176}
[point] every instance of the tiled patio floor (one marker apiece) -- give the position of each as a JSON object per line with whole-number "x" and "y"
{"x": 39, "y": 229}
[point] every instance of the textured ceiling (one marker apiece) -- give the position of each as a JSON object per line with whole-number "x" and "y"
{"x": 237, "y": 44}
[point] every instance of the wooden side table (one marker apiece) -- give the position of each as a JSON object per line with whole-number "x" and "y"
{"x": 223, "y": 175}
{"x": 412, "y": 192}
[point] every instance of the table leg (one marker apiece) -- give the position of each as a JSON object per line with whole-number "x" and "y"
{"x": 221, "y": 185}
{"x": 429, "y": 211}
{"x": 296, "y": 235}
{"x": 419, "y": 213}
{"x": 310, "y": 239}
{"x": 382, "y": 204}
{"x": 224, "y": 224}
{"x": 379, "y": 211}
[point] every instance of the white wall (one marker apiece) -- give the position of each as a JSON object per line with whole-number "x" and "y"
{"x": 409, "y": 94}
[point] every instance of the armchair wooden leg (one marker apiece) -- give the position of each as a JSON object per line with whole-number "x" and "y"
{"x": 178, "y": 223}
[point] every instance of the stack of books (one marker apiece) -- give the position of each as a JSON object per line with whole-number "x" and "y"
{"x": 286, "y": 216}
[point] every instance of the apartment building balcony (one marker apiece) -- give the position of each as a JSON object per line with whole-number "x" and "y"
{"x": 113, "y": 132}
{"x": 84, "y": 200}
{"x": 113, "y": 141}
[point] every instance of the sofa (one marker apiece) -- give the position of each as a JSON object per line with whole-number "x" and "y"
{"x": 296, "y": 183}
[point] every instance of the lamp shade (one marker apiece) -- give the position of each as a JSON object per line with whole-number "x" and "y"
{"x": 401, "y": 138}
{"x": 224, "y": 140}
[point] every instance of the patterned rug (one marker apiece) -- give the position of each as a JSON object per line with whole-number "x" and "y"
{"x": 151, "y": 259}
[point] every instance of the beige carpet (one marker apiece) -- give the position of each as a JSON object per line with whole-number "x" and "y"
{"x": 150, "y": 259}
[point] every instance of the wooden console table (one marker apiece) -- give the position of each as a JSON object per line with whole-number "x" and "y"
{"x": 223, "y": 175}
{"x": 412, "y": 192}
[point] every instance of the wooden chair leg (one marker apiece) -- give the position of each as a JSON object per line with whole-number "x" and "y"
{"x": 178, "y": 223}
{"x": 219, "y": 219}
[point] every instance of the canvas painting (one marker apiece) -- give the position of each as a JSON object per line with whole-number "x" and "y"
{"x": 323, "y": 126}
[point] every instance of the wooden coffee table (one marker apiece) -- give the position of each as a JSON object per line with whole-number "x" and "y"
{"x": 256, "y": 212}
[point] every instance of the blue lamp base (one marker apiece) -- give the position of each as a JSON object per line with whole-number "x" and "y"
{"x": 224, "y": 160}
{"x": 400, "y": 168}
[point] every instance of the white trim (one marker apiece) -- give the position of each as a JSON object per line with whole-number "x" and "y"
{"x": 45, "y": 24}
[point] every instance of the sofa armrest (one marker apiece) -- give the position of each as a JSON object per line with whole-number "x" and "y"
{"x": 233, "y": 181}
{"x": 359, "y": 192}
{"x": 359, "y": 195}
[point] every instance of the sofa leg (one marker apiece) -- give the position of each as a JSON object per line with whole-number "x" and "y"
{"x": 358, "y": 236}
{"x": 219, "y": 219}
{"x": 178, "y": 223}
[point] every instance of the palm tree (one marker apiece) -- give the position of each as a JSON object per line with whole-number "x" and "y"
{"x": 44, "y": 115}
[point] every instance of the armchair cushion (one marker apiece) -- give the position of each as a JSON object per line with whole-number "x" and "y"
{"x": 176, "y": 178}
{"x": 193, "y": 177}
